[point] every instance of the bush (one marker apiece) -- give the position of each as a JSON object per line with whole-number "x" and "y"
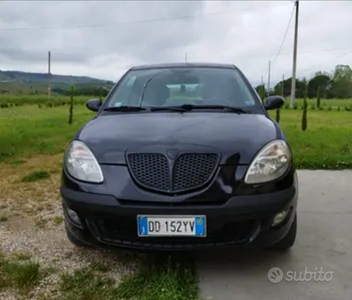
{"x": 305, "y": 107}
{"x": 287, "y": 106}
{"x": 312, "y": 107}
{"x": 318, "y": 96}
{"x": 329, "y": 107}
{"x": 338, "y": 108}
{"x": 70, "y": 116}
{"x": 278, "y": 115}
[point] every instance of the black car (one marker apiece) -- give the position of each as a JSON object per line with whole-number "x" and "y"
{"x": 180, "y": 157}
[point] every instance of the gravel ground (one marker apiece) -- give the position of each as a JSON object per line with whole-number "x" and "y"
{"x": 50, "y": 247}
{"x": 33, "y": 224}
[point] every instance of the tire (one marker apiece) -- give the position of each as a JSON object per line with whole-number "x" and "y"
{"x": 73, "y": 239}
{"x": 289, "y": 239}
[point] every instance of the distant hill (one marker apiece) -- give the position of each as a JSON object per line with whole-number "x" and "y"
{"x": 37, "y": 83}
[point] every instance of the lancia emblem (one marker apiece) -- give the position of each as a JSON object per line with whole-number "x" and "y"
{"x": 172, "y": 153}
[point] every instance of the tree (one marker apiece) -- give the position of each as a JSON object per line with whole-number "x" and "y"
{"x": 261, "y": 91}
{"x": 318, "y": 96}
{"x": 341, "y": 86}
{"x": 287, "y": 87}
{"x": 305, "y": 108}
{"x": 70, "y": 116}
{"x": 278, "y": 115}
{"x": 278, "y": 88}
{"x": 320, "y": 80}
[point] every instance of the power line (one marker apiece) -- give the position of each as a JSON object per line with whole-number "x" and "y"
{"x": 283, "y": 41}
{"x": 305, "y": 70}
{"x": 342, "y": 55}
{"x": 300, "y": 52}
{"x": 128, "y": 22}
{"x": 288, "y": 26}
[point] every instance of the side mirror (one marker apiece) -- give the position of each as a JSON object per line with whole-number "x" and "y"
{"x": 274, "y": 102}
{"x": 94, "y": 104}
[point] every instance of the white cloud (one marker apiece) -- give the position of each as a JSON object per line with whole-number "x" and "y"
{"x": 245, "y": 33}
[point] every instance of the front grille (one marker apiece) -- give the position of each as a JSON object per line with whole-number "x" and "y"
{"x": 189, "y": 171}
{"x": 193, "y": 170}
{"x": 122, "y": 230}
{"x": 150, "y": 170}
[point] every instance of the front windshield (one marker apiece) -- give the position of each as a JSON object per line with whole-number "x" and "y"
{"x": 183, "y": 85}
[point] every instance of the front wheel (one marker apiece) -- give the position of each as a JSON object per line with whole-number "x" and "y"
{"x": 289, "y": 239}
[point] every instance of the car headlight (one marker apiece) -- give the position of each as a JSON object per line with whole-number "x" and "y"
{"x": 81, "y": 164}
{"x": 270, "y": 163}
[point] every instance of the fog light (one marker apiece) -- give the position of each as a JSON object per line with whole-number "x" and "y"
{"x": 73, "y": 216}
{"x": 279, "y": 217}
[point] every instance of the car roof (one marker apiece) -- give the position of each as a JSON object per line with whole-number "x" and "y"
{"x": 182, "y": 65}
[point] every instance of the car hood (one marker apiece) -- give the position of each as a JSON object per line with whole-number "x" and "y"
{"x": 236, "y": 137}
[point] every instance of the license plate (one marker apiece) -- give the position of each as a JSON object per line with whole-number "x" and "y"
{"x": 171, "y": 226}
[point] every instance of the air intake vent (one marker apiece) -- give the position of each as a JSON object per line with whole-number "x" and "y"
{"x": 189, "y": 171}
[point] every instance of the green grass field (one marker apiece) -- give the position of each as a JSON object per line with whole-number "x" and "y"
{"x": 9, "y": 100}
{"x": 29, "y": 130}
{"x": 325, "y": 103}
{"x": 327, "y": 142}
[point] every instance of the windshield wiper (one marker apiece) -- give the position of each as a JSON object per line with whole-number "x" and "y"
{"x": 169, "y": 108}
{"x": 189, "y": 107}
{"x": 124, "y": 108}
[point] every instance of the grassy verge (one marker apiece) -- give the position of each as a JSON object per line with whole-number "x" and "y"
{"x": 327, "y": 143}
{"x": 324, "y": 103}
{"x": 35, "y": 176}
{"x": 10, "y": 100}
{"x": 19, "y": 273}
{"x": 161, "y": 279}
{"x": 28, "y": 131}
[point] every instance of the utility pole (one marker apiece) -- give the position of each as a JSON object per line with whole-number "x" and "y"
{"x": 283, "y": 85}
{"x": 293, "y": 84}
{"x": 49, "y": 87}
{"x": 186, "y": 57}
{"x": 269, "y": 78}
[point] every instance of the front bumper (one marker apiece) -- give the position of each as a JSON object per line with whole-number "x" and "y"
{"x": 242, "y": 220}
